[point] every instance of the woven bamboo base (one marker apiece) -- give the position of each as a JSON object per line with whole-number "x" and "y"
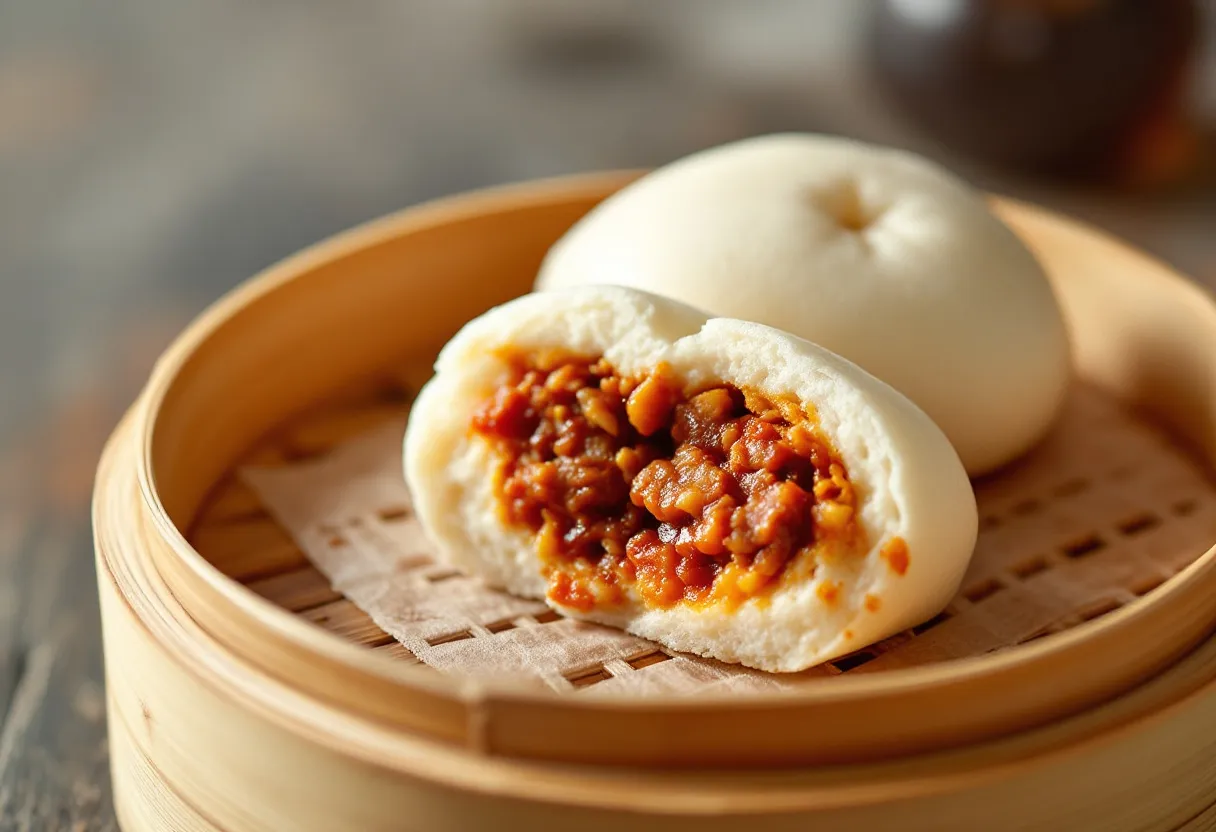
{"x": 1084, "y": 699}
{"x": 1101, "y": 514}
{"x": 202, "y": 740}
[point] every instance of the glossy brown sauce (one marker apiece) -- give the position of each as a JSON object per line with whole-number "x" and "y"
{"x": 689, "y": 497}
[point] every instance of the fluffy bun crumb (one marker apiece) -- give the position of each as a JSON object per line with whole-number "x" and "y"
{"x": 914, "y": 500}
{"x": 875, "y": 254}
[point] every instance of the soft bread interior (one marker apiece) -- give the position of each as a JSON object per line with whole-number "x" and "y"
{"x": 910, "y": 482}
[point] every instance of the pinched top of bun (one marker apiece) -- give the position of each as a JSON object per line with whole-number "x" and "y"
{"x": 876, "y": 254}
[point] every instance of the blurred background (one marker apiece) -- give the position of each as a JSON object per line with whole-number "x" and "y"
{"x": 154, "y": 154}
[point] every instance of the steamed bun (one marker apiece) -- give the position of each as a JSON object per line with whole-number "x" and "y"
{"x": 717, "y": 486}
{"x": 875, "y": 254}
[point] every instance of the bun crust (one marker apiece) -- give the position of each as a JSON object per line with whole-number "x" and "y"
{"x": 875, "y": 254}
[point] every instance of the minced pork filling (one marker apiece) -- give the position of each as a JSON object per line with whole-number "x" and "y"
{"x": 688, "y": 497}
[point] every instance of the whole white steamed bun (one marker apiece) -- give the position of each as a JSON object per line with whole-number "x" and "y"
{"x": 913, "y": 500}
{"x": 875, "y": 254}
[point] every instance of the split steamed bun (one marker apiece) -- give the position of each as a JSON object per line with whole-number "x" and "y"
{"x": 717, "y": 486}
{"x": 875, "y": 254}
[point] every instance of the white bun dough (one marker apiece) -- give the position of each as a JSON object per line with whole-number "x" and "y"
{"x": 876, "y": 254}
{"x": 909, "y": 480}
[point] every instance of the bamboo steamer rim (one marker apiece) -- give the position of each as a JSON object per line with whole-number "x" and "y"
{"x": 1169, "y": 696}
{"x": 1059, "y": 651}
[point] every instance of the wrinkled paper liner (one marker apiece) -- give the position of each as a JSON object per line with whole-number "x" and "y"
{"x": 1104, "y": 510}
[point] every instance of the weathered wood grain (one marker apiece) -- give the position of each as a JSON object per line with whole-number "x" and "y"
{"x": 12, "y": 654}
{"x": 53, "y": 763}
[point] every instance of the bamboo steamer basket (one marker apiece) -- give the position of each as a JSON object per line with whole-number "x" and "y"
{"x": 228, "y": 711}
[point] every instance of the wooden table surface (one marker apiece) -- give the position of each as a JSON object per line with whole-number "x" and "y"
{"x": 152, "y": 155}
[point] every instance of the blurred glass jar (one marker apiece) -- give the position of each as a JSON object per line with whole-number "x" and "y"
{"x": 1081, "y": 88}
